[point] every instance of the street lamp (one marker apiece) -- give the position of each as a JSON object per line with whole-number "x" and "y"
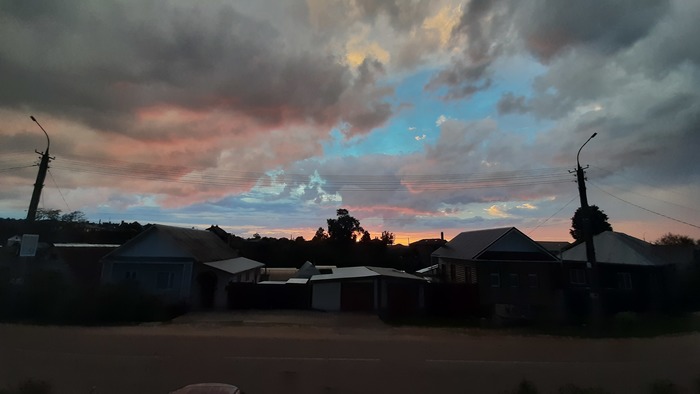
{"x": 40, "y": 176}
{"x": 588, "y": 239}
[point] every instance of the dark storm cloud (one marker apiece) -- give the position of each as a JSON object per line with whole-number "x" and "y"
{"x": 100, "y": 62}
{"x": 550, "y": 26}
{"x": 546, "y": 28}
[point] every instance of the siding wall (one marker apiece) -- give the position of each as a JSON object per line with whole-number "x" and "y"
{"x": 146, "y": 275}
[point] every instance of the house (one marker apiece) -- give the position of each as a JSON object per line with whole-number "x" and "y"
{"x": 509, "y": 274}
{"x": 180, "y": 265}
{"x": 383, "y": 290}
{"x": 634, "y": 275}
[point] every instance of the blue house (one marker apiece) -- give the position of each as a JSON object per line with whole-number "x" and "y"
{"x": 180, "y": 265}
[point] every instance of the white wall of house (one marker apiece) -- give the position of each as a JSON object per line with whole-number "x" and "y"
{"x": 326, "y": 296}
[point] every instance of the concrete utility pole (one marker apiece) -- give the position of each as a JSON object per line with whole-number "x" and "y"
{"x": 40, "y": 177}
{"x": 592, "y": 265}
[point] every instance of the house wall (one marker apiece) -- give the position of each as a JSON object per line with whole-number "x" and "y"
{"x": 326, "y": 296}
{"x": 651, "y": 288}
{"x": 517, "y": 290}
{"x": 146, "y": 273}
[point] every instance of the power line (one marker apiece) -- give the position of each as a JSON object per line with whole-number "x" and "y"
{"x": 553, "y": 215}
{"x": 59, "y": 190}
{"x": 641, "y": 207}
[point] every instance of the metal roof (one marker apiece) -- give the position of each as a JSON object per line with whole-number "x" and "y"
{"x": 394, "y": 273}
{"x": 346, "y": 273}
{"x": 619, "y": 248}
{"x": 297, "y": 281}
{"x": 236, "y": 265}
{"x": 307, "y": 270}
{"x": 469, "y": 244}
{"x": 364, "y": 272}
{"x": 203, "y": 245}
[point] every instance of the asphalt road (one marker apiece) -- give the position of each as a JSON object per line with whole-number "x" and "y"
{"x": 286, "y": 359}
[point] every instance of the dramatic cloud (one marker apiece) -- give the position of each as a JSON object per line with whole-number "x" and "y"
{"x": 273, "y": 115}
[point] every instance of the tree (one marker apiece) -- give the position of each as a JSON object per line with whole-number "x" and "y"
{"x": 48, "y": 214}
{"x": 74, "y": 217}
{"x": 320, "y": 235}
{"x": 387, "y": 238}
{"x": 598, "y": 218}
{"x": 345, "y": 228}
{"x": 675, "y": 239}
{"x": 366, "y": 237}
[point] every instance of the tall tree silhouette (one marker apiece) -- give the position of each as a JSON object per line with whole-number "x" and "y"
{"x": 598, "y": 218}
{"x": 344, "y": 228}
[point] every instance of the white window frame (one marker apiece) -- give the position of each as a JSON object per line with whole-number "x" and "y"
{"x": 497, "y": 277}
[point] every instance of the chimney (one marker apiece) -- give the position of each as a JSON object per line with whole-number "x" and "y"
{"x": 442, "y": 236}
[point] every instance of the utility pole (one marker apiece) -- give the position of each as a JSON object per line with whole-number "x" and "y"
{"x": 40, "y": 177}
{"x": 592, "y": 265}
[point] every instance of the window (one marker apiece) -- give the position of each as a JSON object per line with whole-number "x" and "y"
{"x": 130, "y": 275}
{"x": 577, "y": 276}
{"x": 513, "y": 280}
{"x": 624, "y": 281}
{"x": 164, "y": 280}
{"x": 532, "y": 281}
{"x": 495, "y": 280}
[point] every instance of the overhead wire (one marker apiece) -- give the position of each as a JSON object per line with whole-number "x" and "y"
{"x": 553, "y": 215}
{"x": 59, "y": 190}
{"x": 641, "y": 207}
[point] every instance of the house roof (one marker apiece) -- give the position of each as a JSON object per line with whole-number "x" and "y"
{"x": 471, "y": 245}
{"x": 235, "y": 265}
{"x": 363, "y": 272}
{"x": 307, "y": 270}
{"x": 619, "y": 248}
{"x": 201, "y": 245}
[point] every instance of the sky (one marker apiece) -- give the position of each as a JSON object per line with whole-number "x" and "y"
{"x": 420, "y": 117}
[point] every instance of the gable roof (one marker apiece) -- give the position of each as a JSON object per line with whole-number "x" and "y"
{"x": 472, "y": 245}
{"x": 619, "y": 248}
{"x": 469, "y": 244}
{"x": 203, "y": 246}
